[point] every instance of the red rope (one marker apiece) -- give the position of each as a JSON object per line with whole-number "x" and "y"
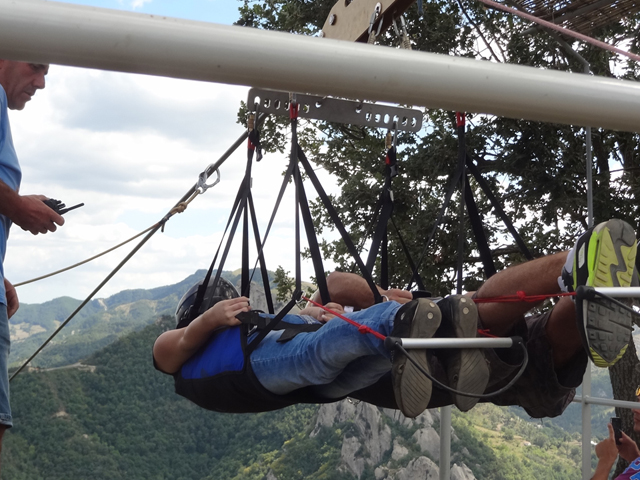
{"x": 520, "y": 296}
{"x": 361, "y": 328}
{"x": 562, "y": 30}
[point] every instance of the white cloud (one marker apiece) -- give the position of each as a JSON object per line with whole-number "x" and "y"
{"x": 130, "y": 147}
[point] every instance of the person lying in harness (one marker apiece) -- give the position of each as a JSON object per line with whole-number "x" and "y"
{"x": 318, "y": 359}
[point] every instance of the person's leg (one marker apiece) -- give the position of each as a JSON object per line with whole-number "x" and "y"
{"x": 337, "y": 359}
{"x": 318, "y": 358}
{"x": 536, "y": 277}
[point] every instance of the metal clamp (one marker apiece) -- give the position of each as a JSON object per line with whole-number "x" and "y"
{"x": 202, "y": 180}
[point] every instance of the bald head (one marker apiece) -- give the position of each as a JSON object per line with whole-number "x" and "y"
{"x": 21, "y": 80}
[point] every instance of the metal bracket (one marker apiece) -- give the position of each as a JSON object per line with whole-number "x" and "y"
{"x": 350, "y": 19}
{"x": 337, "y": 110}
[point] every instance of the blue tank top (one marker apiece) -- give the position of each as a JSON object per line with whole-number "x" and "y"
{"x": 11, "y": 175}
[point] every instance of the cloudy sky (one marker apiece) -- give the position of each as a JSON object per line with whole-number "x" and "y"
{"x": 129, "y": 147}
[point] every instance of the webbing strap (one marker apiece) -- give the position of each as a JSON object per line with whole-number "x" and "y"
{"x": 498, "y": 208}
{"x": 272, "y": 324}
{"x": 339, "y": 225}
{"x": 245, "y": 286}
{"x": 263, "y": 264}
{"x": 478, "y": 232}
{"x": 312, "y": 239}
{"x": 412, "y": 265}
{"x": 203, "y": 287}
{"x": 381, "y": 229}
{"x": 462, "y": 153}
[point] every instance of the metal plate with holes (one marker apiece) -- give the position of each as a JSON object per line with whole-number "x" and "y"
{"x": 337, "y": 110}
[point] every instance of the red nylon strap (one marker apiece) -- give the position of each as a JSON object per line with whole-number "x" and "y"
{"x": 250, "y": 145}
{"x": 520, "y": 296}
{"x": 361, "y": 328}
{"x": 460, "y": 119}
{"x": 293, "y": 110}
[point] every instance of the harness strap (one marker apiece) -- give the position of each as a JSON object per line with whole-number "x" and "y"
{"x": 478, "y": 231}
{"x": 339, "y": 225}
{"x": 498, "y": 208}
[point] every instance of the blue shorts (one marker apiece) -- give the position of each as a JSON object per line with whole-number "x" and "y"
{"x": 5, "y": 344}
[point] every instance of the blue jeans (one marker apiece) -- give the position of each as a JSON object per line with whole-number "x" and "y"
{"x": 337, "y": 359}
{"x": 5, "y": 343}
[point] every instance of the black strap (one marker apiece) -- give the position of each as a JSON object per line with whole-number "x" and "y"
{"x": 381, "y": 229}
{"x": 312, "y": 239}
{"x": 233, "y": 216}
{"x": 412, "y": 265}
{"x": 339, "y": 225}
{"x": 498, "y": 208}
{"x": 272, "y": 324}
{"x": 478, "y": 231}
{"x": 263, "y": 264}
{"x": 462, "y": 154}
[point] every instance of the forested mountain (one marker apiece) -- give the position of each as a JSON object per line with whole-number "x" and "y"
{"x": 115, "y": 417}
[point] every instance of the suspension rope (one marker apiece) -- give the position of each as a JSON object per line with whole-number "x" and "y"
{"x": 563, "y": 30}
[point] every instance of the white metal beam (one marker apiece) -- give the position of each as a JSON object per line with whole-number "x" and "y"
{"x": 51, "y": 32}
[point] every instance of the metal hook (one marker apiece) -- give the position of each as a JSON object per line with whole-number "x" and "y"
{"x": 372, "y": 22}
{"x": 202, "y": 180}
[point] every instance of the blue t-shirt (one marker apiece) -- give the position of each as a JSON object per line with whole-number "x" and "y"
{"x": 11, "y": 175}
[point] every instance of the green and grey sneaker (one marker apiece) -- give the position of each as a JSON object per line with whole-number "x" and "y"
{"x": 604, "y": 256}
{"x": 412, "y": 389}
{"x": 467, "y": 369}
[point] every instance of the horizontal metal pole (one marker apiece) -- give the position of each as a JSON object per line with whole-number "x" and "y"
{"x": 52, "y": 32}
{"x": 619, "y": 291}
{"x": 414, "y": 343}
{"x": 607, "y": 402}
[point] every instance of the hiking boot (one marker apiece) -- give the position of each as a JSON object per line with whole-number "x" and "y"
{"x": 412, "y": 389}
{"x": 604, "y": 256}
{"x": 467, "y": 369}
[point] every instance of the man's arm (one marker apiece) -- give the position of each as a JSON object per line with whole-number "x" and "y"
{"x": 28, "y": 211}
{"x": 175, "y": 347}
{"x": 12, "y": 298}
{"x": 353, "y": 290}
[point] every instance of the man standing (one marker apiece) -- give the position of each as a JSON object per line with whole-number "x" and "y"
{"x": 18, "y": 83}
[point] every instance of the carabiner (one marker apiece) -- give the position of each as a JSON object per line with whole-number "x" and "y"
{"x": 202, "y": 180}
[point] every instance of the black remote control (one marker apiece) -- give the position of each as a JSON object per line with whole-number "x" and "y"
{"x": 59, "y": 207}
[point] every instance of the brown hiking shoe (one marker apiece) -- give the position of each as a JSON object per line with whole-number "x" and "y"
{"x": 412, "y": 389}
{"x": 467, "y": 369}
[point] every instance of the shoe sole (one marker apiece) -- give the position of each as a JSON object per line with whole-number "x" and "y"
{"x": 412, "y": 389}
{"x": 467, "y": 368}
{"x": 610, "y": 262}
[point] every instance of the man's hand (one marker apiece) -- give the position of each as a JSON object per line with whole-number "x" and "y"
{"x": 32, "y": 215}
{"x": 12, "y": 298}
{"x": 628, "y": 448}
{"x": 398, "y": 295}
{"x": 607, "y": 450}
{"x": 224, "y": 312}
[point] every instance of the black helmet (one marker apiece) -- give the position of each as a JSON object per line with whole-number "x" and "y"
{"x": 185, "y": 312}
